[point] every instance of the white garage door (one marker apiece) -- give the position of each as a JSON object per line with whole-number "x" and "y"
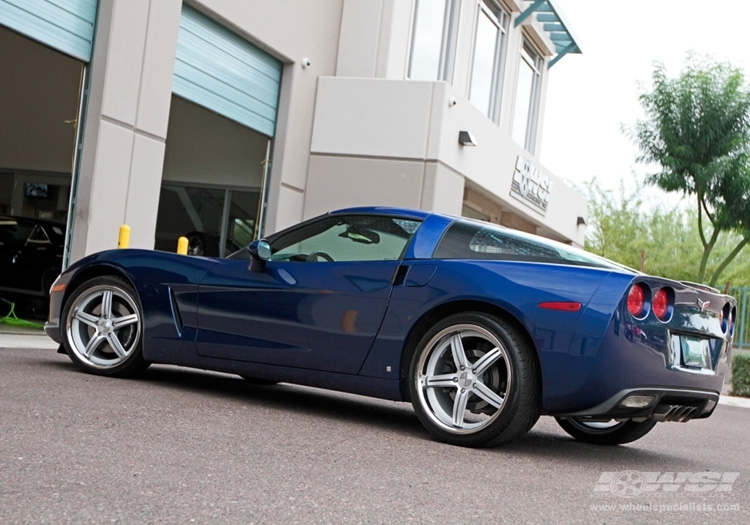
{"x": 65, "y": 25}
{"x": 225, "y": 73}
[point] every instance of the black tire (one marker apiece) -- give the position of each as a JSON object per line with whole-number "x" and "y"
{"x": 103, "y": 328}
{"x": 609, "y": 433}
{"x": 473, "y": 381}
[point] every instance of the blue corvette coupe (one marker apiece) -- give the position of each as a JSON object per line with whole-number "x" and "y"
{"x": 482, "y": 328}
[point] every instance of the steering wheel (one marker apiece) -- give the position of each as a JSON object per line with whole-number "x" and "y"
{"x": 314, "y": 256}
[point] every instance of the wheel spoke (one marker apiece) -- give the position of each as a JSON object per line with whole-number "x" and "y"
{"x": 107, "y": 303}
{"x": 488, "y": 395}
{"x": 459, "y": 407}
{"x": 86, "y": 318}
{"x": 459, "y": 355}
{"x": 486, "y": 361}
{"x": 441, "y": 381}
{"x": 93, "y": 344}
{"x": 114, "y": 342}
{"x": 119, "y": 322}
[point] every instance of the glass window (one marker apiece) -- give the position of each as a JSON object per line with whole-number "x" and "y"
{"x": 433, "y": 40}
{"x": 345, "y": 238}
{"x": 215, "y": 221}
{"x": 13, "y": 234}
{"x": 527, "y": 96}
{"x": 467, "y": 239}
{"x": 489, "y": 49}
{"x": 243, "y": 219}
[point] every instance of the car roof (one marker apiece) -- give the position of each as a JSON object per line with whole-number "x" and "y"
{"x": 405, "y": 213}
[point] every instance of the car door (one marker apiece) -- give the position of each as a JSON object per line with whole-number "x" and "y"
{"x": 8, "y": 249}
{"x": 318, "y": 303}
{"x": 38, "y": 261}
{"x": 16, "y": 272}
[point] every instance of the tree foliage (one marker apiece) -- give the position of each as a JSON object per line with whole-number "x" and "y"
{"x": 697, "y": 135}
{"x": 625, "y": 225}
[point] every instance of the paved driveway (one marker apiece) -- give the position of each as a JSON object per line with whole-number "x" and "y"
{"x": 181, "y": 446}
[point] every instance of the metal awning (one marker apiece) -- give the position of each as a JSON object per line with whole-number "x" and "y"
{"x": 555, "y": 25}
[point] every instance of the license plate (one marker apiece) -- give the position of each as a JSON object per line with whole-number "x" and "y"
{"x": 695, "y": 352}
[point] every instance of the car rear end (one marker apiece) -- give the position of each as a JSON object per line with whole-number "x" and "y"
{"x": 663, "y": 356}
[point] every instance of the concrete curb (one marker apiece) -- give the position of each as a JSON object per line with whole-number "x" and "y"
{"x": 732, "y": 401}
{"x": 26, "y": 341}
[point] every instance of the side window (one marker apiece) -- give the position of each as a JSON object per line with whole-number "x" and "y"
{"x": 346, "y": 238}
{"x": 474, "y": 240}
{"x": 8, "y": 235}
{"x": 433, "y": 40}
{"x": 13, "y": 233}
{"x": 37, "y": 237}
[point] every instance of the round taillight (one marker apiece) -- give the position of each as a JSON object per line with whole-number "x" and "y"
{"x": 726, "y": 318}
{"x": 660, "y": 305}
{"x": 636, "y": 300}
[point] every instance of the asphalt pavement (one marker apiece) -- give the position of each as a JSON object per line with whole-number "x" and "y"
{"x": 188, "y": 446}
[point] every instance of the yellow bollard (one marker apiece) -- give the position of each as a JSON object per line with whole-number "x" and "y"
{"x": 124, "y": 239}
{"x": 182, "y": 245}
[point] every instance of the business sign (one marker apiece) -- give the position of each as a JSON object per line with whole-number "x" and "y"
{"x": 530, "y": 185}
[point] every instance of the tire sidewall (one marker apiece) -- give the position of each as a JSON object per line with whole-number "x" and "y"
{"x": 506, "y": 426}
{"x": 625, "y": 432}
{"x": 134, "y": 362}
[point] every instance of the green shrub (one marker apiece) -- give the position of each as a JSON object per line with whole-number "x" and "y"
{"x": 741, "y": 375}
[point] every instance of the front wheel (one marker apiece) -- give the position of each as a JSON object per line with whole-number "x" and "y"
{"x": 473, "y": 381}
{"x": 103, "y": 327}
{"x": 605, "y": 432}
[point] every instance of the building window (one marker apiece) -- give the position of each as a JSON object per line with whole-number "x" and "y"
{"x": 527, "y": 96}
{"x": 489, "y": 50}
{"x": 433, "y": 40}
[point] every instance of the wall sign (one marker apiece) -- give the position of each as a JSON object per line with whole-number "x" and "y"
{"x": 530, "y": 185}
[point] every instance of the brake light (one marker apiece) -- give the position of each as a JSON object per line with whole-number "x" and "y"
{"x": 660, "y": 304}
{"x": 637, "y": 300}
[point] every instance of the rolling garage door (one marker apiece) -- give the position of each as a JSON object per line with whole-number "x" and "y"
{"x": 221, "y": 71}
{"x": 65, "y": 25}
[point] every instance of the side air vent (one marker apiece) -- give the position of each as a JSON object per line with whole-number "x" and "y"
{"x": 175, "y": 312}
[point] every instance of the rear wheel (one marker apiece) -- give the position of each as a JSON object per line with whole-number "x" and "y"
{"x": 473, "y": 381}
{"x": 103, "y": 328}
{"x": 606, "y": 432}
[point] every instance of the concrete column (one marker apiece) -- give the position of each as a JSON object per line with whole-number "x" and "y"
{"x": 126, "y": 123}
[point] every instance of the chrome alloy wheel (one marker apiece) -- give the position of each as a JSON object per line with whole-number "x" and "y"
{"x": 601, "y": 432}
{"x": 103, "y": 326}
{"x": 463, "y": 378}
{"x": 595, "y": 427}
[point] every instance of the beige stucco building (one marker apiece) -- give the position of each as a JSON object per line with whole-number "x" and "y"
{"x": 226, "y": 119}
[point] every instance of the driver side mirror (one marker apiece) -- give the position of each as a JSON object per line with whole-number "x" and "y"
{"x": 260, "y": 253}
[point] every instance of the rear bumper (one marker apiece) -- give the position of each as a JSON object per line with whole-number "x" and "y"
{"x": 664, "y": 404}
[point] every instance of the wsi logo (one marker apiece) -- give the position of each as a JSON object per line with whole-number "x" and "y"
{"x": 629, "y": 483}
